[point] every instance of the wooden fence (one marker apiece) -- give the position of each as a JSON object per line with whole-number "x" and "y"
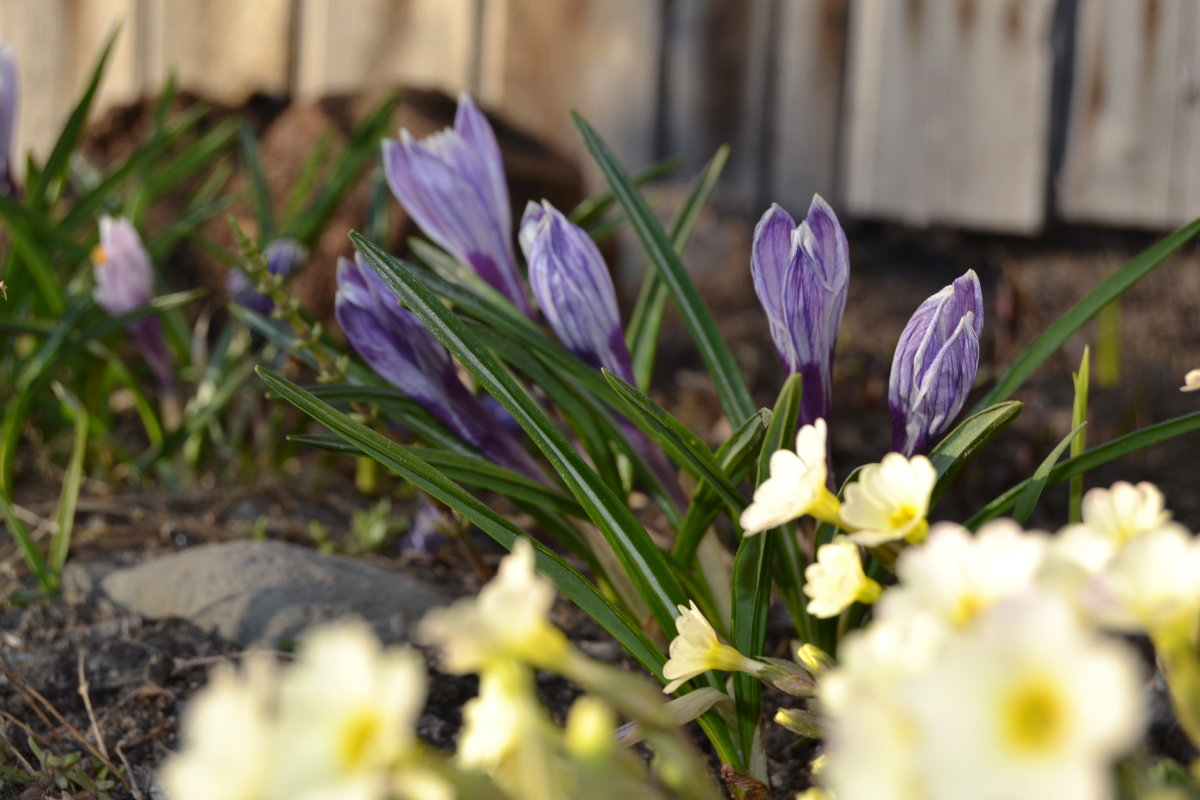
{"x": 987, "y": 114}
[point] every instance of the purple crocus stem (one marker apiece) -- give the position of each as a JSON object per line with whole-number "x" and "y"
{"x": 124, "y": 283}
{"x": 801, "y": 273}
{"x": 284, "y": 256}
{"x": 9, "y": 98}
{"x": 575, "y": 293}
{"x": 397, "y": 346}
{"x": 935, "y": 364}
{"x": 452, "y": 185}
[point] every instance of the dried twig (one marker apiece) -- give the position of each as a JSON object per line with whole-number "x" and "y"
{"x": 87, "y": 704}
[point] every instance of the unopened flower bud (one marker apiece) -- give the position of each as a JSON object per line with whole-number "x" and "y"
{"x": 284, "y": 256}
{"x": 9, "y": 96}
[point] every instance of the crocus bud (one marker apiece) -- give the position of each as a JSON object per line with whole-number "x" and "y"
{"x": 935, "y": 364}
{"x": 574, "y": 289}
{"x": 452, "y": 185}
{"x": 9, "y": 95}
{"x": 284, "y": 256}
{"x": 397, "y": 346}
{"x": 124, "y": 283}
{"x": 801, "y": 273}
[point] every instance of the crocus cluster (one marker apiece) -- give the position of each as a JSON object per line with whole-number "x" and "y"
{"x": 125, "y": 283}
{"x": 398, "y": 347}
{"x": 9, "y": 96}
{"x": 283, "y": 256}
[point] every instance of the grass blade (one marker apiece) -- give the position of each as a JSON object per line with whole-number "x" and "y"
{"x": 1079, "y": 414}
{"x": 971, "y": 435}
{"x": 1037, "y": 482}
{"x": 645, "y": 564}
{"x": 731, "y": 388}
{"x": 68, "y": 496}
{"x": 1109, "y": 289}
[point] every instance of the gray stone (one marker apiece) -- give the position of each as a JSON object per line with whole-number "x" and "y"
{"x": 260, "y": 592}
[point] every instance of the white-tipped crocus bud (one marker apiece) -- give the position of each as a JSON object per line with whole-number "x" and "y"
{"x": 284, "y": 256}
{"x": 574, "y": 289}
{"x": 9, "y": 97}
{"x": 801, "y": 273}
{"x": 1191, "y": 381}
{"x": 394, "y": 342}
{"x": 452, "y": 185}
{"x": 935, "y": 364}
{"x": 124, "y": 283}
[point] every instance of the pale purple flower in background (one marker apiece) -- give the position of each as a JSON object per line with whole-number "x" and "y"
{"x": 575, "y": 292}
{"x": 9, "y": 97}
{"x": 124, "y": 283}
{"x": 452, "y": 185}
{"x": 935, "y": 364}
{"x": 284, "y": 256}
{"x": 394, "y": 342}
{"x": 801, "y": 273}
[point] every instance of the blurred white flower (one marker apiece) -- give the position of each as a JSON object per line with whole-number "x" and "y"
{"x": 1191, "y": 381}
{"x": 954, "y": 576}
{"x": 1074, "y": 556}
{"x": 227, "y": 736}
{"x": 796, "y": 485}
{"x": 496, "y": 720}
{"x": 347, "y": 713}
{"x": 889, "y": 500}
{"x": 696, "y": 650}
{"x": 1124, "y": 511}
{"x": 1027, "y": 703}
{"x": 507, "y": 620}
{"x": 837, "y": 580}
{"x": 1152, "y": 584}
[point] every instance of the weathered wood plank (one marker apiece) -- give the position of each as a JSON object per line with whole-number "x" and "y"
{"x": 810, "y": 43}
{"x": 948, "y": 112}
{"x": 223, "y": 49}
{"x": 1127, "y": 91}
{"x": 1185, "y": 183}
{"x": 538, "y": 60}
{"x": 347, "y": 45}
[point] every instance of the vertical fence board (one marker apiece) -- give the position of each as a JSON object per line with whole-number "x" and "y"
{"x": 1124, "y": 98}
{"x": 223, "y": 49}
{"x": 810, "y": 42}
{"x": 1185, "y": 182}
{"x": 346, "y": 45}
{"x": 538, "y": 60}
{"x": 948, "y": 117}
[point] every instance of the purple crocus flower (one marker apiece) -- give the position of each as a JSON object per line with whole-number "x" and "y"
{"x": 9, "y": 96}
{"x": 575, "y": 293}
{"x": 397, "y": 346}
{"x": 452, "y": 184}
{"x": 801, "y": 273}
{"x": 284, "y": 256}
{"x": 935, "y": 364}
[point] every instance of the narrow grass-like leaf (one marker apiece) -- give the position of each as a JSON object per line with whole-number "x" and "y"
{"x": 572, "y": 584}
{"x": 593, "y": 207}
{"x": 722, "y": 368}
{"x": 1077, "y": 316}
{"x": 32, "y": 254}
{"x": 68, "y": 496}
{"x": 970, "y": 436}
{"x": 1079, "y": 412}
{"x": 736, "y": 457}
{"x": 1097, "y": 456}
{"x": 21, "y": 534}
{"x": 1037, "y": 482}
{"x": 644, "y": 563}
{"x": 645, "y": 324}
{"x": 679, "y": 442}
{"x": 260, "y": 196}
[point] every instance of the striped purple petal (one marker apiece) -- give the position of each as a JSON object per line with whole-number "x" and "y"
{"x": 9, "y": 98}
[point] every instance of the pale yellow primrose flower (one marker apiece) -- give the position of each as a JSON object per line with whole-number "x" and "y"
{"x": 954, "y": 575}
{"x": 507, "y": 620}
{"x": 697, "y": 650}
{"x": 1191, "y": 381}
{"x": 1152, "y": 584}
{"x": 796, "y": 485}
{"x": 346, "y": 714}
{"x": 837, "y": 580}
{"x": 889, "y": 501}
{"x": 1124, "y": 511}
{"x": 227, "y": 735}
{"x": 1027, "y": 703}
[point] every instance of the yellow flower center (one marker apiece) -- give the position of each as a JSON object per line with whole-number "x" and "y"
{"x": 1033, "y": 717}
{"x": 355, "y": 737}
{"x": 902, "y": 516}
{"x": 966, "y": 609}
{"x": 99, "y": 255}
